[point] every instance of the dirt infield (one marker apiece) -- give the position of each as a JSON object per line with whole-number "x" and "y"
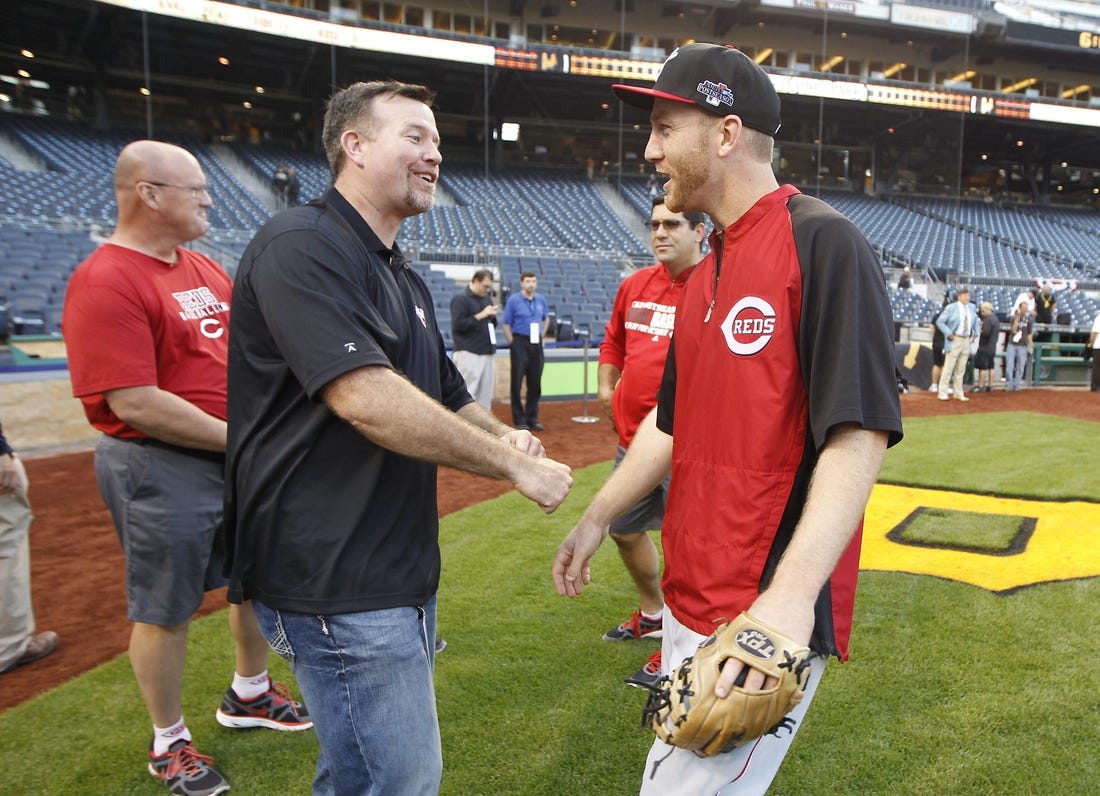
{"x": 77, "y": 564}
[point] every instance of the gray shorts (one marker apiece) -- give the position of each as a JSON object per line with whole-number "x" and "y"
{"x": 166, "y": 504}
{"x": 648, "y": 513}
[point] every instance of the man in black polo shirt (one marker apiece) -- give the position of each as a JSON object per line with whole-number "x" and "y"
{"x": 342, "y": 401}
{"x": 473, "y": 326}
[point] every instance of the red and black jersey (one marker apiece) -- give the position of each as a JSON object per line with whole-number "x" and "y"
{"x": 784, "y": 331}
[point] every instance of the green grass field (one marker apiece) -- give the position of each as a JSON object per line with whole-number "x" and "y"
{"x": 951, "y": 689}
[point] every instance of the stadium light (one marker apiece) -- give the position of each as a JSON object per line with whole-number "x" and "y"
{"x": 26, "y": 53}
{"x": 509, "y": 131}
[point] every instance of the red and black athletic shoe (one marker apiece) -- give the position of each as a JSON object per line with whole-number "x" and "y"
{"x": 185, "y": 772}
{"x": 273, "y": 709}
{"x": 637, "y": 626}
{"x": 648, "y": 675}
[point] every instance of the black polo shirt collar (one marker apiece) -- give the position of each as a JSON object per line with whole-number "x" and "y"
{"x": 395, "y": 257}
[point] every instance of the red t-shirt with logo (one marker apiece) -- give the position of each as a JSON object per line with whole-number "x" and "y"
{"x": 784, "y": 332}
{"x": 636, "y": 342}
{"x": 131, "y": 320}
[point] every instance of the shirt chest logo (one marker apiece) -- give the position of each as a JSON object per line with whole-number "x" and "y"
{"x": 199, "y": 303}
{"x": 652, "y": 318}
{"x": 749, "y": 326}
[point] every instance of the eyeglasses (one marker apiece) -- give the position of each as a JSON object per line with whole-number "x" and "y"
{"x": 671, "y": 224}
{"x": 197, "y": 191}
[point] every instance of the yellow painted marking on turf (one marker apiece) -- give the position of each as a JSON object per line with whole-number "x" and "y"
{"x": 1065, "y": 545}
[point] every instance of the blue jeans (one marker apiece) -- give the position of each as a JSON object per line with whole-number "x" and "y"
{"x": 367, "y": 681}
{"x": 1015, "y": 362}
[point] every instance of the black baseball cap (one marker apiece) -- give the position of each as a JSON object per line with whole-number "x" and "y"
{"x": 718, "y": 79}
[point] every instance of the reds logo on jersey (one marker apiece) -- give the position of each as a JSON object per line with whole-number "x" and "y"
{"x": 749, "y": 326}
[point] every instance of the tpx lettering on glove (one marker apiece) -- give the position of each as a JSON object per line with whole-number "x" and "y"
{"x": 755, "y": 643}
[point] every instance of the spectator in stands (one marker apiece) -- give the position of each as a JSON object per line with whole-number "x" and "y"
{"x": 526, "y": 318}
{"x": 342, "y": 401}
{"x": 632, "y": 359}
{"x": 1018, "y": 346}
{"x": 1090, "y": 353}
{"x": 146, "y": 324}
{"x": 905, "y": 281}
{"x": 473, "y": 327}
{"x": 652, "y": 185}
{"x": 959, "y": 324}
{"x": 1026, "y": 297}
{"x": 293, "y": 187}
{"x": 1045, "y": 303}
{"x": 19, "y": 644}
{"x": 773, "y": 445}
{"x": 985, "y": 357}
{"x": 279, "y": 182}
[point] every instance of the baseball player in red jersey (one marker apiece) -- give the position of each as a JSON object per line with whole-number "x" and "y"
{"x": 632, "y": 359}
{"x": 777, "y": 404}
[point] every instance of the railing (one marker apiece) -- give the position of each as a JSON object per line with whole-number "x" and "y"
{"x": 1059, "y": 363}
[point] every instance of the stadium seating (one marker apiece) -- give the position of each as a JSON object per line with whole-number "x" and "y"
{"x": 554, "y": 223}
{"x": 1069, "y": 238}
{"x": 915, "y": 235}
{"x": 78, "y": 186}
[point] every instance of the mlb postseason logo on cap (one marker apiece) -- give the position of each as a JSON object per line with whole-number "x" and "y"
{"x": 715, "y": 78}
{"x": 716, "y": 93}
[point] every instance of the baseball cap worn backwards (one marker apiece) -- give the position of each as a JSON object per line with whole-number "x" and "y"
{"x": 718, "y": 79}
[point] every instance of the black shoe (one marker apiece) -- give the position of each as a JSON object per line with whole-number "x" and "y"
{"x": 649, "y": 675}
{"x": 440, "y": 644}
{"x": 537, "y": 426}
{"x": 273, "y": 709}
{"x": 522, "y": 427}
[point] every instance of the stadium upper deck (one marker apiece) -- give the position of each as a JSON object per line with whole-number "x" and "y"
{"x": 951, "y": 99}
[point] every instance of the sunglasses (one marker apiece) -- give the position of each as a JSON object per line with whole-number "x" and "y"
{"x": 671, "y": 224}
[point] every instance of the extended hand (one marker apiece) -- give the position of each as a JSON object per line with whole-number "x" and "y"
{"x": 571, "y": 561}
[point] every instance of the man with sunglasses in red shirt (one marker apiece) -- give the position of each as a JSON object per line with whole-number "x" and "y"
{"x": 632, "y": 359}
